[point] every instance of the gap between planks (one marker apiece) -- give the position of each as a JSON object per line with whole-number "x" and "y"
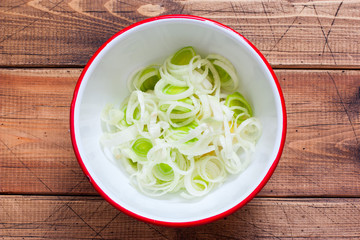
{"x": 85, "y": 195}
{"x": 277, "y": 67}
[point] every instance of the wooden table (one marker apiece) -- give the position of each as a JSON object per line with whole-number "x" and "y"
{"x": 314, "y": 47}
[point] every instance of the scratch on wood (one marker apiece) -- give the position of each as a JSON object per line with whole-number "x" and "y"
{"x": 235, "y": 13}
{"x": 332, "y": 23}
{"x": 323, "y": 211}
{"x": 182, "y": 8}
{"x": 243, "y": 11}
{"x": 159, "y": 232}
{"x": 97, "y": 234}
{"x": 76, "y": 185}
{"x": 310, "y": 179}
{"x": 13, "y": 7}
{"x": 110, "y": 7}
{"x": 287, "y": 218}
{"x": 325, "y": 37}
{"x": 28, "y": 25}
{"x": 267, "y": 17}
{"x": 52, "y": 214}
{"x": 292, "y": 24}
{"x": 18, "y": 31}
{"x": 352, "y": 204}
{"x": 96, "y": 210}
{"x": 27, "y": 167}
{"x": 82, "y": 220}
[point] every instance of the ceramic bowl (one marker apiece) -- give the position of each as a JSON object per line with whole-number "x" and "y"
{"x": 104, "y": 80}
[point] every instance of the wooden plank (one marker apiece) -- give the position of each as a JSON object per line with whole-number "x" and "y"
{"x": 322, "y": 151}
{"x": 321, "y": 155}
{"x": 56, "y": 217}
{"x": 37, "y": 154}
{"x": 297, "y": 33}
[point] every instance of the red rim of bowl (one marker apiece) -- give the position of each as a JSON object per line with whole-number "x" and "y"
{"x": 189, "y": 223}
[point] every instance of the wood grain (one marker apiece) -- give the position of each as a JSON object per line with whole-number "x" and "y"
{"x": 37, "y": 154}
{"x": 53, "y": 217}
{"x": 321, "y": 155}
{"x": 315, "y": 190}
{"x": 296, "y": 33}
{"x": 322, "y": 151}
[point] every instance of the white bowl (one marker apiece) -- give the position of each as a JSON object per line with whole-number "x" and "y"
{"x": 103, "y": 81}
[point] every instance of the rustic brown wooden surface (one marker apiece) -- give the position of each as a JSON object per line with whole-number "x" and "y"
{"x": 54, "y": 217}
{"x": 314, "y": 192}
{"x": 323, "y": 134}
{"x": 297, "y": 33}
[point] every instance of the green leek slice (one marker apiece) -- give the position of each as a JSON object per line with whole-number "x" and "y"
{"x": 178, "y": 109}
{"x": 182, "y": 131}
{"x": 172, "y": 90}
{"x": 183, "y": 56}
{"x": 149, "y": 77}
{"x": 142, "y": 146}
{"x": 163, "y": 172}
{"x": 224, "y": 76}
{"x": 237, "y": 100}
{"x": 187, "y": 128}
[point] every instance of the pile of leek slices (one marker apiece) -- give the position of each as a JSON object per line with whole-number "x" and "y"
{"x": 184, "y": 128}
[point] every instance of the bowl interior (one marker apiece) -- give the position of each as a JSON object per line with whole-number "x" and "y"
{"x": 105, "y": 82}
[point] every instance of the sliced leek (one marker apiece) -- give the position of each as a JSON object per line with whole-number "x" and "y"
{"x": 184, "y": 127}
